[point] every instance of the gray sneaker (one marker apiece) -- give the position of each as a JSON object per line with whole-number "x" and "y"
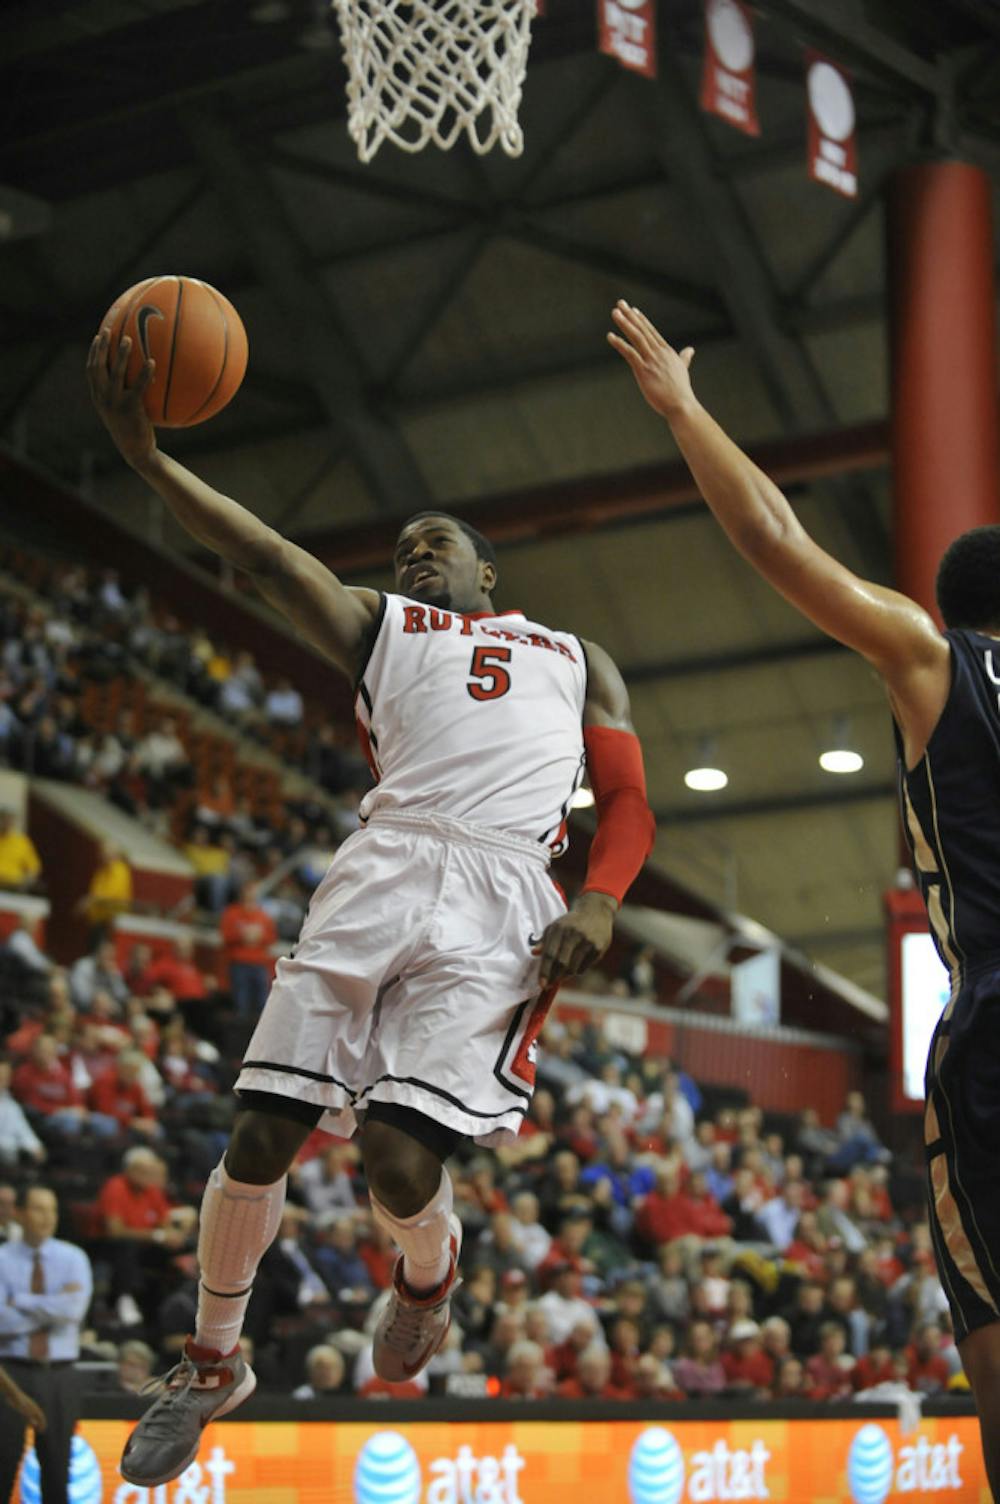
{"x": 413, "y": 1327}
{"x": 168, "y": 1436}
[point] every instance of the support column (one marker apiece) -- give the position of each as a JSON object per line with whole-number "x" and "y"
{"x": 942, "y": 302}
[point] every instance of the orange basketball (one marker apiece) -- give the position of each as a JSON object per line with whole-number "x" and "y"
{"x": 196, "y": 338}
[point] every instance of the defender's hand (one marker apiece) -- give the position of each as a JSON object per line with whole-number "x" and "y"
{"x": 662, "y": 375}
{"x": 574, "y": 941}
{"x": 119, "y": 406}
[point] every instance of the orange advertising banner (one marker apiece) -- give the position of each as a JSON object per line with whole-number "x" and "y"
{"x": 857, "y": 1461}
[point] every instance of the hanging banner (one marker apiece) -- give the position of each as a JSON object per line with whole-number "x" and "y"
{"x": 833, "y": 158}
{"x": 628, "y": 32}
{"x": 728, "y": 86}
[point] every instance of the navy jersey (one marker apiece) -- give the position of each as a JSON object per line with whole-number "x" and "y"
{"x": 951, "y": 811}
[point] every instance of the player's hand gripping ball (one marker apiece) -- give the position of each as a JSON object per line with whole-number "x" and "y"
{"x": 196, "y": 338}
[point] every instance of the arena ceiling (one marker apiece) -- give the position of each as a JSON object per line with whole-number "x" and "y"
{"x": 429, "y": 330}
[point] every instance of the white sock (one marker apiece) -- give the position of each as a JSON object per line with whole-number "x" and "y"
{"x": 424, "y": 1240}
{"x": 239, "y": 1222}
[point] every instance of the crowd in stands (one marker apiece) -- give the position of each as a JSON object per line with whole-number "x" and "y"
{"x": 640, "y": 1239}
{"x": 78, "y": 631}
{"x": 643, "y": 1238}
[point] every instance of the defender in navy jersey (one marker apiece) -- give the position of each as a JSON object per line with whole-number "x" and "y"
{"x": 410, "y": 1008}
{"x": 943, "y": 691}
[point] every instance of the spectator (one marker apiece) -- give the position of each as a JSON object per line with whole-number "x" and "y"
{"x": 507, "y": 1329}
{"x": 338, "y": 1262}
{"x": 20, "y": 864}
{"x": 779, "y": 1217}
{"x": 828, "y": 1372}
{"x": 118, "y": 1094}
{"x": 325, "y": 1373}
{"x": 700, "y": 1372}
{"x": 43, "y": 1084}
{"x": 669, "y": 1213}
{"x": 593, "y": 1377}
{"x": 211, "y": 860}
{"x": 326, "y": 1181}
{"x": 749, "y": 1369}
{"x": 776, "y": 1335}
{"x": 834, "y": 1219}
{"x": 163, "y": 762}
{"x": 178, "y": 971}
{"x": 858, "y": 1141}
{"x": 790, "y": 1381}
{"x": 806, "y": 1318}
{"x": 247, "y": 936}
{"x": 135, "y": 1366}
{"x": 927, "y": 1368}
{"x": 109, "y": 894}
{"x": 98, "y": 972}
{"x": 564, "y": 1304}
{"x": 239, "y": 695}
{"x": 475, "y": 1303}
{"x": 526, "y": 1377}
{"x": 10, "y": 1225}
{"x": 283, "y": 705}
{"x": 17, "y": 1137}
{"x": 299, "y": 1281}
{"x": 874, "y": 1368}
{"x": 668, "y": 1290}
{"x": 136, "y": 1218}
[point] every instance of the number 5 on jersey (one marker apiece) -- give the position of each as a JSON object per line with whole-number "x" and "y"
{"x": 489, "y": 679}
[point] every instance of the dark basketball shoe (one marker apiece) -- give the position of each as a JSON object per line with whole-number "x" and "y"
{"x": 167, "y": 1439}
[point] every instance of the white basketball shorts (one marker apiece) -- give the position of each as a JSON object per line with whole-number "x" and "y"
{"x": 413, "y": 980}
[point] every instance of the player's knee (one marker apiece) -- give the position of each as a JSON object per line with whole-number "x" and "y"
{"x": 262, "y": 1147}
{"x": 402, "y": 1174}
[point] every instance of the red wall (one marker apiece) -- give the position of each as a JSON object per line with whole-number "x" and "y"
{"x": 778, "y": 1076}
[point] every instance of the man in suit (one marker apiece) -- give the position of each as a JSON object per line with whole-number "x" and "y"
{"x": 45, "y": 1290}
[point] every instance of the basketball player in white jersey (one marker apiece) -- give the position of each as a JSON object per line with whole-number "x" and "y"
{"x": 431, "y": 950}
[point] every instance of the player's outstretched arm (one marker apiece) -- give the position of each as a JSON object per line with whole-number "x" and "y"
{"x": 625, "y": 825}
{"x": 895, "y": 634}
{"x": 332, "y": 617}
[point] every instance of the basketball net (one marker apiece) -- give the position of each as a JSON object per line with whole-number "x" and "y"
{"x": 429, "y": 70}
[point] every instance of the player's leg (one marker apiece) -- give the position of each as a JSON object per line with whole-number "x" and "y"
{"x": 411, "y": 1194}
{"x": 240, "y": 1213}
{"x": 980, "y": 1353}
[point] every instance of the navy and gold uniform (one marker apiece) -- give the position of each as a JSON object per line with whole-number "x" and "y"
{"x": 951, "y": 810}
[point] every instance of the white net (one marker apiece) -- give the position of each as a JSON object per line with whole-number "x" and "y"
{"x": 430, "y": 70}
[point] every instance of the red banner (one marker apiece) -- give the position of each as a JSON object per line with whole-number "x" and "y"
{"x": 628, "y": 33}
{"x": 728, "y": 86}
{"x": 833, "y": 157}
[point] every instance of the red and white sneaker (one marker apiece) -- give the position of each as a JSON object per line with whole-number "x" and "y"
{"x": 412, "y": 1327}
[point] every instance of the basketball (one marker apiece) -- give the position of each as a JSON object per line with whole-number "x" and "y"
{"x": 196, "y": 338}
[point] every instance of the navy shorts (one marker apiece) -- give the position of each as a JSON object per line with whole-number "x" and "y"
{"x": 962, "y": 1142}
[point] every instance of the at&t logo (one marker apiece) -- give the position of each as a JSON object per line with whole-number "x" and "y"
{"x": 874, "y": 1470}
{"x": 388, "y": 1472}
{"x": 657, "y": 1471}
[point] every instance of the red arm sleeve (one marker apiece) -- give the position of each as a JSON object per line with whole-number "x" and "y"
{"x": 625, "y": 825}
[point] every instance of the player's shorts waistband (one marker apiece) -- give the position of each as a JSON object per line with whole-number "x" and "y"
{"x": 462, "y": 832}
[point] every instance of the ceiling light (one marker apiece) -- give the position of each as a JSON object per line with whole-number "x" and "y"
{"x": 706, "y": 777}
{"x": 582, "y": 799}
{"x": 839, "y": 756}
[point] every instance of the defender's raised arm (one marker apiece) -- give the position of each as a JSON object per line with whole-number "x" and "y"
{"x": 332, "y": 617}
{"x": 896, "y": 635}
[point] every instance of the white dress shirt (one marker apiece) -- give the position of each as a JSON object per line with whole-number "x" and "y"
{"x": 59, "y": 1311}
{"x": 15, "y": 1130}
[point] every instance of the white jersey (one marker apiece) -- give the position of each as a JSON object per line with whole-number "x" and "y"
{"x": 478, "y": 717}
